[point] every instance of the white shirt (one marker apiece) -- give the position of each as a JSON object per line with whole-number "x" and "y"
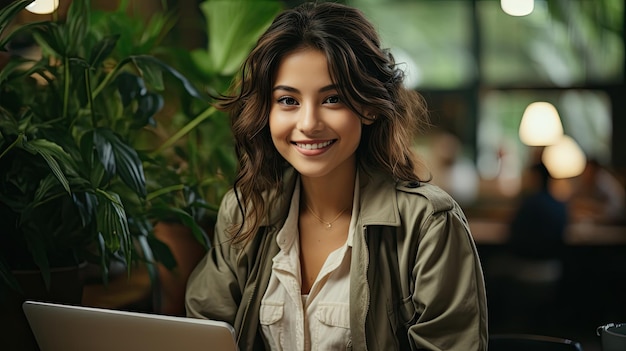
{"x": 320, "y": 320}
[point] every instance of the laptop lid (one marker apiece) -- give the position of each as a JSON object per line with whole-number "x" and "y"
{"x": 76, "y": 328}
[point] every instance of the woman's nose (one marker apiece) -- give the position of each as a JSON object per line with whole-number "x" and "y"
{"x": 309, "y": 121}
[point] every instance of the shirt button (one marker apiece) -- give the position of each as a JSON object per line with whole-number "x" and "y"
{"x": 413, "y": 184}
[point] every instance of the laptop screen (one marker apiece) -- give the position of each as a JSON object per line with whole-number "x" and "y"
{"x": 76, "y": 328}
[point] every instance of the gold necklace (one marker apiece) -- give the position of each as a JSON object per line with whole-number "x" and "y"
{"x": 328, "y": 225}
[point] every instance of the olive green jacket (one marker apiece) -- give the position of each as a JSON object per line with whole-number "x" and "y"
{"x": 415, "y": 279}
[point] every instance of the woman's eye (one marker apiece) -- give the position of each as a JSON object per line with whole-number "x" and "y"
{"x": 332, "y": 100}
{"x": 287, "y": 100}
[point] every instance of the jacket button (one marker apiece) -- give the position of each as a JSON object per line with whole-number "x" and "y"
{"x": 413, "y": 184}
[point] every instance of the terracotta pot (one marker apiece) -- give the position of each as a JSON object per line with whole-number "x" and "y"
{"x": 188, "y": 252}
{"x": 66, "y": 286}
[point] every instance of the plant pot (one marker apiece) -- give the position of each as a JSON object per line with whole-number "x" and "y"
{"x": 172, "y": 283}
{"x": 66, "y": 286}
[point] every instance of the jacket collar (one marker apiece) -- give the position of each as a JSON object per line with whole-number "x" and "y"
{"x": 378, "y": 203}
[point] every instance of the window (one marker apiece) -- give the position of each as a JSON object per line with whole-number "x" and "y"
{"x": 479, "y": 68}
{"x": 561, "y": 43}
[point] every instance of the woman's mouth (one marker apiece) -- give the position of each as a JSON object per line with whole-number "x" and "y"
{"x": 314, "y": 146}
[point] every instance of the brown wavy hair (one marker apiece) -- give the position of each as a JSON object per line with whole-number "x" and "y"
{"x": 366, "y": 76}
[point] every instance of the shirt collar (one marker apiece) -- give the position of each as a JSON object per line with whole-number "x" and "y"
{"x": 288, "y": 232}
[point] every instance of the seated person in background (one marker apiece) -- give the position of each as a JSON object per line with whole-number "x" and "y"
{"x": 538, "y": 225}
{"x": 598, "y": 196}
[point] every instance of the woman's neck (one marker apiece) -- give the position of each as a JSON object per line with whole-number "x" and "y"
{"x": 328, "y": 195}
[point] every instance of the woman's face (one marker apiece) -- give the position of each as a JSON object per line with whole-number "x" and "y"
{"x": 310, "y": 126}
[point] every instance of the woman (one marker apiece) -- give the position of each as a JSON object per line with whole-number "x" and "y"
{"x": 329, "y": 239}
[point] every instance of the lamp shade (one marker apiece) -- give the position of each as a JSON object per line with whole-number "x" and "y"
{"x": 42, "y": 7}
{"x": 517, "y": 7}
{"x": 565, "y": 159}
{"x": 540, "y": 125}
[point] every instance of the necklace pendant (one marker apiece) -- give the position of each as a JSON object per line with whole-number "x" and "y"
{"x": 328, "y": 225}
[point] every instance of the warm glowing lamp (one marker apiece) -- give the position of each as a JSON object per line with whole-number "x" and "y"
{"x": 541, "y": 125}
{"x": 42, "y": 7}
{"x": 517, "y": 7}
{"x": 565, "y": 159}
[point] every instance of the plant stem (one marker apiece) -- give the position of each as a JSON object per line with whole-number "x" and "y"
{"x": 90, "y": 97}
{"x": 186, "y": 129}
{"x": 18, "y": 140}
{"x": 105, "y": 82}
{"x": 165, "y": 190}
{"x": 109, "y": 76}
{"x": 66, "y": 84}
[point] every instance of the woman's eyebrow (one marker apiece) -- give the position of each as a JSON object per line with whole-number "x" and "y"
{"x": 294, "y": 90}
{"x": 328, "y": 88}
{"x": 286, "y": 88}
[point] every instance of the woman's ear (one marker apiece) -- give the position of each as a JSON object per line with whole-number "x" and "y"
{"x": 368, "y": 118}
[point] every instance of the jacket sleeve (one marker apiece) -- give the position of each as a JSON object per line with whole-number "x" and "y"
{"x": 449, "y": 293}
{"x": 213, "y": 290}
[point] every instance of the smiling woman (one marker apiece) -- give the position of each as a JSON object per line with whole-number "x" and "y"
{"x": 330, "y": 239}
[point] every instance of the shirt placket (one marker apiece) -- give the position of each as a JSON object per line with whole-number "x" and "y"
{"x": 287, "y": 270}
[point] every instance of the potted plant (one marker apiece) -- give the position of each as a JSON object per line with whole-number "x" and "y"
{"x": 197, "y": 140}
{"x": 72, "y": 167}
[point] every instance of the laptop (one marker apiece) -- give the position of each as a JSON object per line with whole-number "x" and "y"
{"x": 59, "y": 327}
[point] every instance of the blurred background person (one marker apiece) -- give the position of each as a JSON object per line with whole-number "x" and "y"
{"x": 451, "y": 170}
{"x": 537, "y": 227}
{"x": 529, "y": 271}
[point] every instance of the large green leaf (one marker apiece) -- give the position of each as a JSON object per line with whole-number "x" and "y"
{"x": 51, "y": 38}
{"x": 148, "y": 255}
{"x": 110, "y": 225}
{"x": 52, "y": 152}
{"x": 127, "y": 162}
{"x": 113, "y": 223}
{"x": 14, "y": 69}
{"x": 151, "y": 69}
{"x": 45, "y": 190}
{"x": 147, "y": 106}
{"x": 104, "y": 151}
{"x": 182, "y": 216}
{"x": 160, "y": 250}
{"x": 76, "y": 28}
{"x": 7, "y": 14}
{"x": 24, "y": 30}
{"x": 98, "y": 153}
{"x": 104, "y": 257}
{"x": 130, "y": 86}
{"x": 86, "y": 204}
{"x": 233, "y": 28}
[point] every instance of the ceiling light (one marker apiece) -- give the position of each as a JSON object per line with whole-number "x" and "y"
{"x": 42, "y": 7}
{"x": 517, "y": 7}
{"x": 565, "y": 159}
{"x": 540, "y": 125}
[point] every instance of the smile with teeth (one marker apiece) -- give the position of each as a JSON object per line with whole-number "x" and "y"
{"x": 314, "y": 146}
